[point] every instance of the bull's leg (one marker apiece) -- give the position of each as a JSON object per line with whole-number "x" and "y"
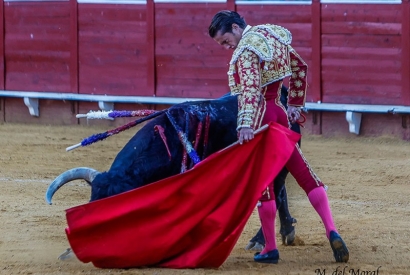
{"x": 257, "y": 243}
{"x": 287, "y": 228}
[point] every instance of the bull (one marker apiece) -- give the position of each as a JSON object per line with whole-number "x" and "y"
{"x": 157, "y": 151}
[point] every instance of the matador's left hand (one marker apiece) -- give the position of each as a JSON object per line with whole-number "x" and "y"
{"x": 293, "y": 113}
{"x": 245, "y": 135}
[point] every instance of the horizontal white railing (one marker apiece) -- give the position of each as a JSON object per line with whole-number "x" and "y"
{"x": 106, "y": 103}
{"x": 360, "y": 108}
{"x": 354, "y": 111}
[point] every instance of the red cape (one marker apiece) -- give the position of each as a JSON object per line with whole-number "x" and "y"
{"x": 190, "y": 220}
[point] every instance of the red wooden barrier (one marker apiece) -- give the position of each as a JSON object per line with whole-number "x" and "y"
{"x": 2, "y": 70}
{"x": 36, "y": 46}
{"x": 74, "y": 46}
{"x": 151, "y": 61}
{"x": 189, "y": 63}
{"x": 356, "y": 53}
{"x": 315, "y": 90}
{"x": 361, "y": 54}
{"x": 113, "y": 53}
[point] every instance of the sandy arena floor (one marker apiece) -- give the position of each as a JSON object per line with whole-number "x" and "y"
{"x": 369, "y": 182}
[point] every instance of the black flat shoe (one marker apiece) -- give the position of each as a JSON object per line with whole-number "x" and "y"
{"x": 340, "y": 251}
{"x": 272, "y": 257}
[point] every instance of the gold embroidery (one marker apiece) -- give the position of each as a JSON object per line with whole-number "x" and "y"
{"x": 264, "y": 56}
{"x": 298, "y": 79}
{"x": 270, "y": 43}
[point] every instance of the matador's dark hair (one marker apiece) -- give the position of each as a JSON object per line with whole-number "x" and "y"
{"x": 223, "y": 21}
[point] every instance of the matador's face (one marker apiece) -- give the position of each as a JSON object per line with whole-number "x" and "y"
{"x": 229, "y": 40}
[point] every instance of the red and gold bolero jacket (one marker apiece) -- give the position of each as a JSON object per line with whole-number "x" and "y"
{"x": 264, "y": 56}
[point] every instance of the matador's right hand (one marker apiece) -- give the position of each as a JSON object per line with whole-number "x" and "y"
{"x": 293, "y": 113}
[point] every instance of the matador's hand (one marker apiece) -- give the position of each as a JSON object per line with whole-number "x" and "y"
{"x": 293, "y": 113}
{"x": 245, "y": 134}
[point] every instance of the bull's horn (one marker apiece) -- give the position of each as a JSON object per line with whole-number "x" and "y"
{"x": 84, "y": 173}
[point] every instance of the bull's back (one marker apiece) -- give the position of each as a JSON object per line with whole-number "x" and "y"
{"x": 145, "y": 158}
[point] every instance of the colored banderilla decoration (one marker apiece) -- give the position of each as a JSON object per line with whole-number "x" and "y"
{"x": 149, "y": 115}
{"x": 101, "y": 136}
{"x": 184, "y": 140}
{"x": 114, "y": 114}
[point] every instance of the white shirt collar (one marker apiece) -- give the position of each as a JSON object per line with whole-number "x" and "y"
{"x": 246, "y": 29}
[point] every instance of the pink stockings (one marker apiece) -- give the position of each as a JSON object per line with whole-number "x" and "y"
{"x": 319, "y": 201}
{"x": 267, "y": 214}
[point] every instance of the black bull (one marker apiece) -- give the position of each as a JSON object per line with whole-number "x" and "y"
{"x": 150, "y": 156}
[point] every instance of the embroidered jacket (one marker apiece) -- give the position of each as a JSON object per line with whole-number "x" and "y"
{"x": 264, "y": 56}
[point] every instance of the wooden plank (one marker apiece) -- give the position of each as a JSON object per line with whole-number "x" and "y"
{"x": 45, "y": 80}
{"x": 360, "y": 53}
{"x": 2, "y": 58}
{"x": 300, "y": 32}
{"x": 366, "y": 79}
{"x": 169, "y": 71}
{"x": 2, "y": 109}
{"x": 379, "y": 28}
{"x": 22, "y": 12}
{"x": 354, "y": 92}
{"x": 230, "y": 5}
{"x": 362, "y": 78}
{"x": 202, "y": 90}
{"x": 212, "y": 59}
{"x": 361, "y": 40}
{"x": 37, "y": 43}
{"x": 298, "y": 21}
{"x": 361, "y": 99}
{"x": 204, "y": 48}
{"x": 185, "y": 47}
{"x": 182, "y": 55}
{"x": 54, "y": 112}
{"x": 187, "y": 40}
{"x": 108, "y": 39}
{"x": 108, "y": 14}
{"x": 315, "y": 93}
{"x": 112, "y": 83}
{"x": 73, "y": 46}
{"x": 362, "y": 65}
{"x": 112, "y": 49}
{"x": 275, "y": 14}
{"x": 150, "y": 36}
{"x": 36, "y": 46}
{"x": 192, "y": 81}
{"x": 361, "y": 56}
{"x": 335, "y": 125}
{"x": 375, "y": 13}
{"x": 405, "y": 46}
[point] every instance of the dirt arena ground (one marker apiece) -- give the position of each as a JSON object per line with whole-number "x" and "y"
{"x": 369, "y": 180}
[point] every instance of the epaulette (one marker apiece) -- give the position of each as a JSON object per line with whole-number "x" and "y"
{"x": 261, "y": 45}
